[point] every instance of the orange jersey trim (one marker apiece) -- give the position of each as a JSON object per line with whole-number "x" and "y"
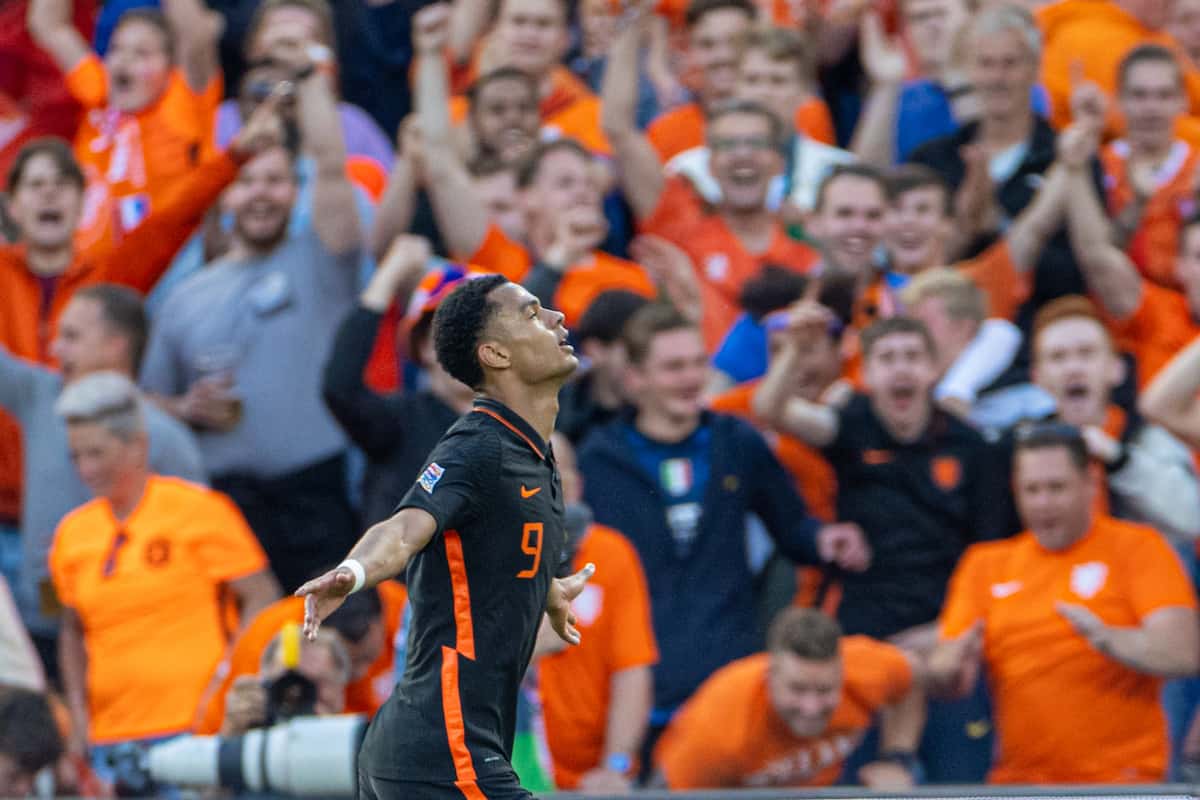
{"x": 512, "y": 428}
{"x": 464, "y": 637}
{"x": 456, "y": 732}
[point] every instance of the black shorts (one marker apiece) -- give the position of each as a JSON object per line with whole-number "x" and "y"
{"x": 497, "y": 787}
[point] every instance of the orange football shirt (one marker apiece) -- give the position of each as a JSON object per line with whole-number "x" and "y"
{"x": 147, "y": 591}
{"x": 728, "y": 734}
{"x": 133, "y": 161}
{"x": 1059, "y": 702}
{"x": 575, "y": 684}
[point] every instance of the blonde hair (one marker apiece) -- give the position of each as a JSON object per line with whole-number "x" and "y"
{"x": 109, "y": 399}
{"x": 963, "y": 299}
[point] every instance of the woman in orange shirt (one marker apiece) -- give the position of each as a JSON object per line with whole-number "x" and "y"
{"x": 140, "y": 572}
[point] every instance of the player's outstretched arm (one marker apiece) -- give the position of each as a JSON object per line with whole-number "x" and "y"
{"x": 558, "y": 602}
{"x": 384, "y": 552}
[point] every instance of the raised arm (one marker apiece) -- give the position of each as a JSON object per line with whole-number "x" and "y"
{"x": 368, "y": 418}
{"x": 334, "y": 207}
{"x": 383, "y": 552}
{"x": 51, "y": 27}
{"x": 1171, "y": 398}
{"x": 886, "y": 65}
{"x": 398, "y": 205}
{"x": 1110, "y": 275}
{"x": 461, "y": 215}
{"x": 197, "y": 31}
{"x": 468, "y": 22}
{"x": 145, "y": 253}
{"x": 1037, "y": 222}
{"x": 640, "y": 170}
{"x": 775, "y": 403}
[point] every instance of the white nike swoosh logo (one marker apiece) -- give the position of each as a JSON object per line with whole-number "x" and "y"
{"x": 1003, "y": 590}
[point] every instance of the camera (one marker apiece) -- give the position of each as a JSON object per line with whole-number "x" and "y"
{"x": 290, "y": 695}
{"x": 303, "y": 757}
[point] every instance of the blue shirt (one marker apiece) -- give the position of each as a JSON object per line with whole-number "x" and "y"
{"x": 681, "y": 471}
{"x": 923, "y": 113}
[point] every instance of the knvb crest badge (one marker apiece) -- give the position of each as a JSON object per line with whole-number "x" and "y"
{"x": 429, "y": 478}
{"x": 1088, "y": 579}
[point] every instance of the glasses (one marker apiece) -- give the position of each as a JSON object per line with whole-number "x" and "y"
{"x": 729, "y": 145}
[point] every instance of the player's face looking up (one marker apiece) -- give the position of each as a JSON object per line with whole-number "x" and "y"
{"x": 804, "y": 692}
{"x": 525, "y": 337}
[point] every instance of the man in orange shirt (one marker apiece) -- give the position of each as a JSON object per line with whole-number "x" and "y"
{"x": 791, "y": 716}
{"x": 714, "y": 31}
{"x": 730, "y": 243}
{"x": 140, "y": 572}
{"x": 149, "y": 106}
{"x": 596, "y": 697}
{"x": 1077, "y": 620}
{"x": 1150, "y": 175}
{"x": 775, "y": 69}
{"x": 1150, "y": 321}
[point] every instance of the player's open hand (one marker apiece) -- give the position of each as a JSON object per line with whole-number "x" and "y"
{"x": 558, "y": 603}
{"x": 322, "y": 596}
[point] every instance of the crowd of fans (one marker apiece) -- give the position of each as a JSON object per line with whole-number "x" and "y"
{"x": 884, "y": 443}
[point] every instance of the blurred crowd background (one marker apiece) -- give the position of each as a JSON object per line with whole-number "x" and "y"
{"x": 884, "y": 441}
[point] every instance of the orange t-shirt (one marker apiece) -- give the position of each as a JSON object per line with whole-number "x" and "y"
{"x": 1071, "y": 30}
{"x": 728, "y": 734}
{"x": 813, "y": 475}
{"x": 1065, "y": 712}
{"x": 722, "y": 263}
{"x": 133, "y": 161}
{"x": 28, "y": 315}
{"x": 1154, "y": 246}
{"x": 147, "y": 591}
{"x": 363, "y": 696}
{"x": 682, "y": 129}
{"x": 1155, "y": 333}
{"x": 581, "y": 284}
{"x": 575, "y": 684}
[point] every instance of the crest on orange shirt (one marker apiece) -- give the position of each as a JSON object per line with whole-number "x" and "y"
{"x": 946, "y": 472}
{"x": 1088, "y": 579}
{"x": 158, "y": 552}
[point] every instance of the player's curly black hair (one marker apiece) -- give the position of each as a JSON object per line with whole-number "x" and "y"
{"x": 457, "y": 324}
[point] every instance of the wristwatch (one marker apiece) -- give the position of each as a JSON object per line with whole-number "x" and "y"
{"x": 619, "y": 763}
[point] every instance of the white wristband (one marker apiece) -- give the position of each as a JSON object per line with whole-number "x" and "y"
{"x": 360, "y": 574}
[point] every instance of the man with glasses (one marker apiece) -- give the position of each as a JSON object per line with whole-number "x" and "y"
{"x": 1077, "y": 621}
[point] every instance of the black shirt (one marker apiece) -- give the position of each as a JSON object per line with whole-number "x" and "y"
{"x": 920, "y": 504}
{"x": 1056, "y": 272}
{"x": 477, "y": 593}
{"x": 395, "y": 431}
